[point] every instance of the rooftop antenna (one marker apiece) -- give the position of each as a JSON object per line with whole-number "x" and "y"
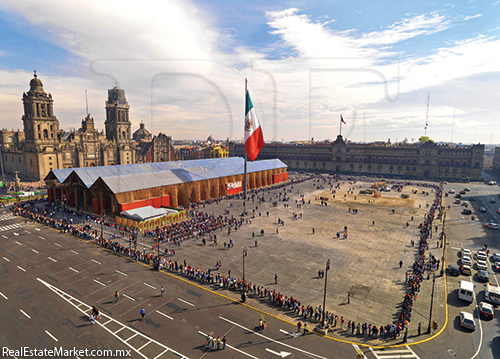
{"x": 453, "y": 126}
{"x": 86, "y": 103}
{"x": 427, "y": 112}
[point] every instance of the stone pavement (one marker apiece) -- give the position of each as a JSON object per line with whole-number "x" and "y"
{"x": 364, "y": 264}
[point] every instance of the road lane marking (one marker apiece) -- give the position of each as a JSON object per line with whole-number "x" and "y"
{"x": 229, "y": 346}
{"x": 22, "y": 311}
{"x": 4, "y": 296}
{"x": 50, "y": 335}
{"x": 129, "y": 297}
{"x": 280, "y": 354}
{"x": 164, "y": 315}
{"x": 272, "y": 340}
{"x": 125, "y": 274}
{"x": 57, "y": 244}
{"x": 6, "y": 259}
{"x": 74, "y": 270}
{"x": 145, "y": 345}
{"x": 16, "y": 234}
{"x": 101, "y": 283}
{"x": 35, "y": 251}
{"x": 295, "y": 335}
{"x": 27, "y": 231}
{"x": 18, "y": 243}
{"x": 131, "y": 337}
{"x": 41, "y": 237}
{"x": 185, "y": 301}
{"x": 159, "y": 355}
{"x": 149, "y": 285}
{"x": 74, "y": 252}
{"x": 37, "y": 229}
{"x": 5, "y": 237}
{"x": 24, "y": 270}
{"x": 107, "y": 322}
{"x": 52, "y": 259}
{"x": 93, "y": 260}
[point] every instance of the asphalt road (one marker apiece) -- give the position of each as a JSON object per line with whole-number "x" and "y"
{"x": 48, "y": 279}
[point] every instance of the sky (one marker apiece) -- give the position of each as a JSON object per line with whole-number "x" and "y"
{"x": 183, "y": 66}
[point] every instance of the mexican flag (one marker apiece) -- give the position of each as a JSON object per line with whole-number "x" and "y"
{"x": 254, "y": 137}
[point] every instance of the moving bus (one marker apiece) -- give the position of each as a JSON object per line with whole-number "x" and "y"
{"x": 492, "y": 293}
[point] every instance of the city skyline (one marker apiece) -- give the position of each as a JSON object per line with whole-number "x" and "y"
{"x": 183, "y": 66}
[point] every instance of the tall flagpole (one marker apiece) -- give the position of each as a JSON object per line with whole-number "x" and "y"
{"x": 340, "y": 133}
{"x": 245, "y": 178}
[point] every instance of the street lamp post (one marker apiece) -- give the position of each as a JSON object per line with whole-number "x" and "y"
{"x": 245, "y": 253}
{"x": 324, "y": 294}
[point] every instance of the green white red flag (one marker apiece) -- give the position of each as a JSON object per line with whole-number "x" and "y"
{"x": 254, "y": 137}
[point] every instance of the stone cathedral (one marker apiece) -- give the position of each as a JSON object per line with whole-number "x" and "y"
{"x": 43, "y": 146}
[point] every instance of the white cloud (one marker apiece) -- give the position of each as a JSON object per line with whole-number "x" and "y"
{"x": 472, "y": 17}
{"x": 184, "y": 76}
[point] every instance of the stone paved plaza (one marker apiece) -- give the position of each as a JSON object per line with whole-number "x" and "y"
{"x": 366, "y": 263}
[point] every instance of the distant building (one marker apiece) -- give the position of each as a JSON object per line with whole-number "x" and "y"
{"x": 427, "y": 160}
{"x": 43, "y": 146}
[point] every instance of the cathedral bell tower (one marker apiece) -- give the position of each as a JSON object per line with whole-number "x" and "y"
{"x": 117, "y": 121}
{"x": 40, "y": 124}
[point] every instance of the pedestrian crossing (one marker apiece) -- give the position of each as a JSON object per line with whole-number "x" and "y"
{"x": 401, "y": 352}
{"x": 5, "y": 217}
{"x": 11, "y": 226}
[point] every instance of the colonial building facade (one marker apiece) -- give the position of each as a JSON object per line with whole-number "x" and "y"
{"x": 427, "y": 160}
{"x": 43, "y": 146}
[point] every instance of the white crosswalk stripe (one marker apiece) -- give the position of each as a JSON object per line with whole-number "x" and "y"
{"x": 401, "y": 352}
{"x": 5, "y": 217}
{"x": 11, "y": 226}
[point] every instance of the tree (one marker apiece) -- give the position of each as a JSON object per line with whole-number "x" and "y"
{"x": 424, "y": 139}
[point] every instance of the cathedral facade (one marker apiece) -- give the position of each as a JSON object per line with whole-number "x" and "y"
{"x": 43, "y": 146}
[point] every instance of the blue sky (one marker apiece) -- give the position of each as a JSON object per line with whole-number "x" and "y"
{"x": 182, "y": 65}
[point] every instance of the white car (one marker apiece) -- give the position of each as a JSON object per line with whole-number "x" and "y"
{"x": 492, "y": 225}
{"x": 451, "y": 191}
{"x": 481, "y": 265}
{"x": 466, "y": 261}
{"x": 467, "y": 321}
{"x": 482, "y": 256}
{"x": 466, "y": 252}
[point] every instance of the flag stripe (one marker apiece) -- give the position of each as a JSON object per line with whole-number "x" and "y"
{"x": 254, "y": 144}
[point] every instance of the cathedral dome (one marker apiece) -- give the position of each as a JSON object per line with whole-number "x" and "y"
{"x": 36, "y": 84}
{"x": 141, "y": 134}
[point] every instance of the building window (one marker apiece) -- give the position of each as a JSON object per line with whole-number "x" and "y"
{"x": 464, "y": 170}
{"x": 427, "y": 162}
{"x": 31, "y": 162}
{"x": 455, "y": 170}
{"x": 360, "y": 166}
{"x": 400, "y": 168}
{"x": 407, "y": 168}
{"x": 440, "y": 169}
{"x": 391, "y": 167}
{"x": 379, "y": 167}
{"x": 477, "y": 164}
{"x": 324, "y": 164}
{"x": 414, "y": 169}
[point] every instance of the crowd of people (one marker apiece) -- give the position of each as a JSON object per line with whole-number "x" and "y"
{"x": 202, "y": 224}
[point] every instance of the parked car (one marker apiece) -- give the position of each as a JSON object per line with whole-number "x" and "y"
{"x": 457, "y": 201}
{"x": 451, "y": 191}
{"x": 472, "y": 199}
{"x": 481, "y": 255}
{"x": 453, "y": 270}
{"x": 466, "y": 261}
{"x": 462, "y": 192}
{"x": 465, "y": 269}
{"x": 466, "y": 211}
{"x": 467, "y": 321}
{"x": 483, "y": 275}
{"x": 458, "y": 196}
{"x": 496, "y": 266}
{"x": 481, "y": 265}
{"x": 466, "y": 252}
{"x": 465, "y": 203}
{"x": 467, "y": 189}
{"x": 496, "y": 257}
{"x": 486, "y": 310}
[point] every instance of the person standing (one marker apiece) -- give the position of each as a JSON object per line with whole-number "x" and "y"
{"x": 349, "y": 298}
{"x": 419, "y": 328}
{"x": 400, "y": 264}
{"x": 117, "y": 297}
{"x": 305, "y": 329}
{"x": 161, "y": 291}
{"x": 299, "y": 326}
{"x": 143, "y": 313}
{"x": 275, "y": 279}
{"x": 224, "y": 341}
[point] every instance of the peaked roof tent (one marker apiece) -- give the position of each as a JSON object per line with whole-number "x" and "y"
{"x": 147, "y": 212}
{"x": 124, "y": 178}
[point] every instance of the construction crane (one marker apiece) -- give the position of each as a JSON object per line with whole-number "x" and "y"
{"x": 427, "y": 112}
